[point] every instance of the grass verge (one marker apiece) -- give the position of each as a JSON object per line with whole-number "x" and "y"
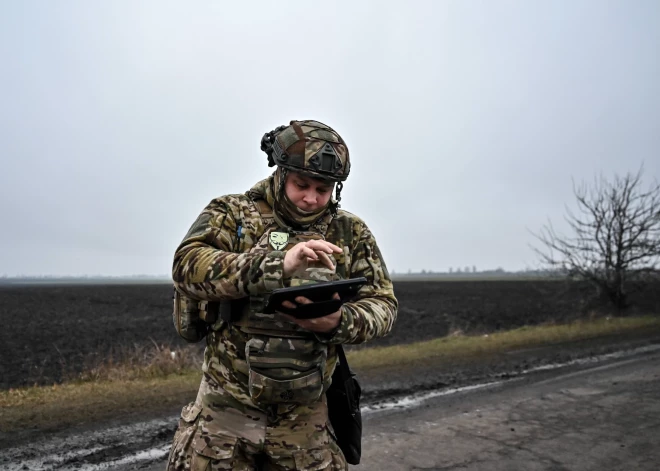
{"x": 95, "y": 398}
{"x": 462, "y": 346}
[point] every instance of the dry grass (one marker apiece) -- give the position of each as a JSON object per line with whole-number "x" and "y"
{"x": 66, "y": 405}
{"x": 141, "y": 362}
{"x": 132, "y": 380}
{"x": 163, "y": 378}
{"x": 458, "y": 345}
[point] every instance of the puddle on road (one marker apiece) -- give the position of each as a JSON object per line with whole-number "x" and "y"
{"x": 415, "y": 400}
{"x": 81, "y": 446}
{"x": 52, "y": 461}
{"x": 595, "y": 359}
{"x": 152, "y": 454}
{"x": 81, "y": 449}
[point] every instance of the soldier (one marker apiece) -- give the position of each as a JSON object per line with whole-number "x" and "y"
{"x": 261, "y": 403}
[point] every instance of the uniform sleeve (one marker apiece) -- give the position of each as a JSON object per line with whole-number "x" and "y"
{"x": 206, "y": 266}
{"x": 373, "y": 313}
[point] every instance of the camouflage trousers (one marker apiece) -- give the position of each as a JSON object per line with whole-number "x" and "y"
{"x": 291, "y": 438}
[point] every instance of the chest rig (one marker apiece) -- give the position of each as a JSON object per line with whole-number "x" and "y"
{"x": 285, "y": 363}
{"x": 247, "y": 313}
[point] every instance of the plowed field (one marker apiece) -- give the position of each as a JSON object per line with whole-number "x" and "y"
{"x": 51, "y": 331}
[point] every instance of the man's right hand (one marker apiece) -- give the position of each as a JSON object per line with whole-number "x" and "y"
{"x": 311, "y": 251}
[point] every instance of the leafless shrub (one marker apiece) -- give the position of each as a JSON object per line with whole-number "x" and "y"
{"x": 614, "y": 240}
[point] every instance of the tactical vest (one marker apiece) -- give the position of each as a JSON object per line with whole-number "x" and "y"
{"x": 286, "y": 364}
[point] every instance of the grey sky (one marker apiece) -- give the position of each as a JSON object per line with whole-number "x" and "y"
{"x": 466, "y": 120}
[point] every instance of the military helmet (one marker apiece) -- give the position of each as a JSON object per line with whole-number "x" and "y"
{"x": 309, "y": 147}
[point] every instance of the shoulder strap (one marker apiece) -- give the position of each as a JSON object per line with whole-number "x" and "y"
{"x": 264, "y": 210}
{"x": 260, "y": 217}
{"x": 324, "y": 224}
{"x": 343, "y": 370}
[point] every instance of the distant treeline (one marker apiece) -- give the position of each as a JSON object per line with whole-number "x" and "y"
{"x": 496, "y": 273}
{"x": 92, "y": 279}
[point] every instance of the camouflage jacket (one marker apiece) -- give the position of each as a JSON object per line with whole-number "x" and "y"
{"x": 215, "y": 263}
{"x": 211, "y": 264}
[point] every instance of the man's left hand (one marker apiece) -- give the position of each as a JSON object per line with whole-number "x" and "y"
{"x": 323, "y": 324}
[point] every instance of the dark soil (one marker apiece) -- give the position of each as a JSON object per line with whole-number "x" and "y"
{"x": 52, "y": 332}
{"x": 434, "y": 309}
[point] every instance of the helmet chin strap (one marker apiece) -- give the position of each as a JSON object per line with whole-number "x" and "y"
{"x": 283, "y": 174}
{"x": 334, "y": 205}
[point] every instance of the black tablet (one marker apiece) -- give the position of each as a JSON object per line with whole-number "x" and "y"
{"x": 320, "y": 293}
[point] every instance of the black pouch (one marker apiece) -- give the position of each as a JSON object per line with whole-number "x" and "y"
{"x": 343, "y": 397}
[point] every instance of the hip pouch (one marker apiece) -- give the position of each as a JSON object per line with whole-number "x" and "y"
{"x": 190, "y": 317}
{"x": 285, "y": 370}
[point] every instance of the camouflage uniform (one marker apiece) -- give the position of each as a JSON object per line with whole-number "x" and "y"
{"x": 241, "y": 414}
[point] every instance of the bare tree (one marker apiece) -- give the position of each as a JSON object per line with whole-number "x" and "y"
{"x": 615, "y": 236}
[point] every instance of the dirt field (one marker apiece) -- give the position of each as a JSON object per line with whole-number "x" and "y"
{"x": 51, "y": 331}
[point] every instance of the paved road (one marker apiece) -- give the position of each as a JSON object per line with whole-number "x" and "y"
{"x": 602, "y": 418}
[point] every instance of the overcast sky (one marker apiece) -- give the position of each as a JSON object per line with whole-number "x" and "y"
{"x": 466, "y": 120}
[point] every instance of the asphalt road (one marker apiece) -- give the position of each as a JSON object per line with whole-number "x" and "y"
{"x": 601, "y": 418}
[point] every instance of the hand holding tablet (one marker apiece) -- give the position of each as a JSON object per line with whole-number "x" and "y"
{"x": 321, "y": 294}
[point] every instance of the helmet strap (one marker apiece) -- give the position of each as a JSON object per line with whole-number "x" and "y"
{"x": 334, "y": 205}
{"x": 340, "y": 186}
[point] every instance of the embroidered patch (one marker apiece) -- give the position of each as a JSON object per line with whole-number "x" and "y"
{"x": 278, "y": 240}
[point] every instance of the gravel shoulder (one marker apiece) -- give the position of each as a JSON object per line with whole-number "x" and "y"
{"x": 431, "y": 374}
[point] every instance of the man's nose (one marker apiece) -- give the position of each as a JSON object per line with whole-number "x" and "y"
{"x": 309, "y": 197}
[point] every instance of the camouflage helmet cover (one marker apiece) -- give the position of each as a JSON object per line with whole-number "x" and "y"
{"x": 309, "y": 147}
